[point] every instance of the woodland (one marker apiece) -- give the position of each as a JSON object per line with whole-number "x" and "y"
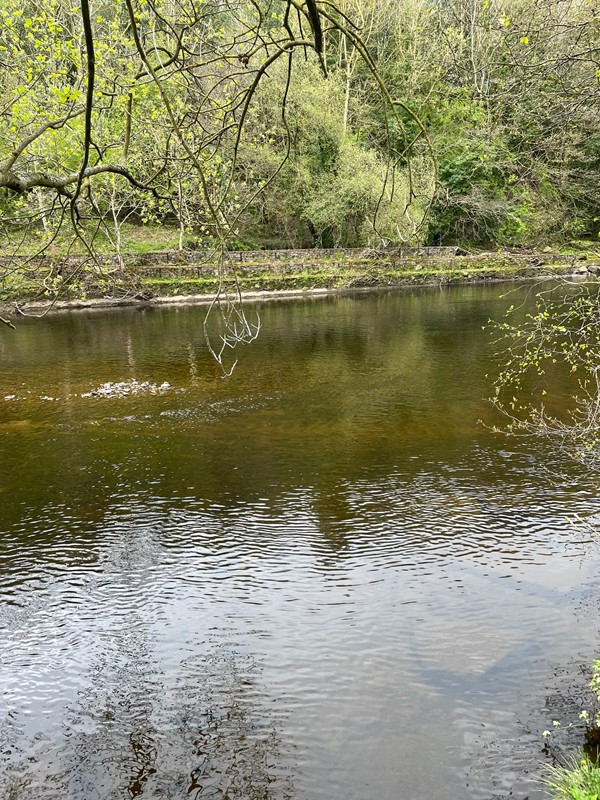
{"x": 269, "y": 123}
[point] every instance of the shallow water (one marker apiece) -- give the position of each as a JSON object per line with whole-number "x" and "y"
{"x": 323, "y": 577}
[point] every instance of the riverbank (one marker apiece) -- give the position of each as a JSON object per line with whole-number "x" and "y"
{"x": 194, "y": 276}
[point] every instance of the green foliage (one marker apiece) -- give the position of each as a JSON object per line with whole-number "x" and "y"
{"x": 510, "y": 98}
{"x": 579, "y": 780}
{"x": 560, "y": 338}
{"x": 335, "y": 188}
{"x": 595, "y": 687}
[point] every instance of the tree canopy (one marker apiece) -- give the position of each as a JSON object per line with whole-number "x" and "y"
{"x": 296, "y": 123}
{"x": 160, "y": 106}
{"x": 301, "y": 122}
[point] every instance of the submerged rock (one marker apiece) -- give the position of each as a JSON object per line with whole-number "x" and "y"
{"x": 126, "y": 388}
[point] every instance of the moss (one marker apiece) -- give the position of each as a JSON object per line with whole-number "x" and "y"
{"x": 189, "y": 279}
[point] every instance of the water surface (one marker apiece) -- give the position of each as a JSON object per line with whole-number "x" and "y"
{"x": 324, "y": 577}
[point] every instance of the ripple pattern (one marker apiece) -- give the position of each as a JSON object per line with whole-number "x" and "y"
{"x": 321, "y": 579}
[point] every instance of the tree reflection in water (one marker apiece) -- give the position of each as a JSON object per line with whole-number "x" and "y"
{"x": 134, "y": 732}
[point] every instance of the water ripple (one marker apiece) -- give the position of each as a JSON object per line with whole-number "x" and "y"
{"x": 289, "y": 585}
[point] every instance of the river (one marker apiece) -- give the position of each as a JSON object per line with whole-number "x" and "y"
{"x": 323, "y": 578}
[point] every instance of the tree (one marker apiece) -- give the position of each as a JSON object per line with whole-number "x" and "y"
{"x": 515, "y": 126}
{"x": 164, "y": 90}
{"x": 334, "y": 187}
{"x": 151, "y": 100}
{"x": 560, "y": 337}
{"x": 555, "y": 46}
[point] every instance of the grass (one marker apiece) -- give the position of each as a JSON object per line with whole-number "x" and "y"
{"x": 579, "y": 780}
{"x": 135, "y": 240}
{"x": 172, "y": 280}
{"x": 154, "y": 238}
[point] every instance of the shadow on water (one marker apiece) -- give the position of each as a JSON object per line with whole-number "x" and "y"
{"x": 132, "y": 731}
{"x": 322, "y": 578}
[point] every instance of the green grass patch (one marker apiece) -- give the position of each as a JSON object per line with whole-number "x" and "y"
{"x": 579, "y": 780}
{"x": 135, "y": 240}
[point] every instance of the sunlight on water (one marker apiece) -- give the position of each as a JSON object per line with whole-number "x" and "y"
{"x": 321, "y": 578}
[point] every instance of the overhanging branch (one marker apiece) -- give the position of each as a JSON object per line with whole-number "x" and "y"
{"x": 21, "y": 184}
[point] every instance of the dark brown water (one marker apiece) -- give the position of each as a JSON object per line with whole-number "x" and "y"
{"x": 320, "y": 579}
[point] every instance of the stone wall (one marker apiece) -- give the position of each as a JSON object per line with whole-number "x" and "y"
{"x": 198, "y": 263}
{"x": 210, "y": 257}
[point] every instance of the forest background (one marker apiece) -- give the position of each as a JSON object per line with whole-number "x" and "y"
{"x": 284, "y": 124}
